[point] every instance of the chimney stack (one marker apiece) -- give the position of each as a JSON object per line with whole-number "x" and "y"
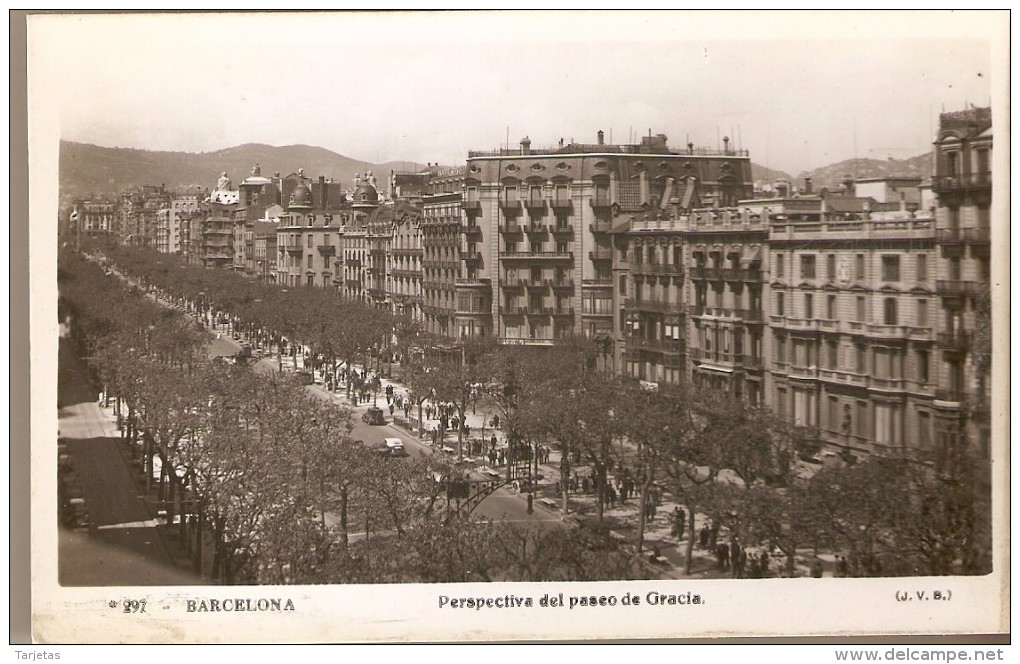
{"x": 726, "y": 144}
{"x": 525, "y": 146}
{"x": 322, "y": 192}
{"x": 807, "y": 186}
{"x": 602, "y": 138}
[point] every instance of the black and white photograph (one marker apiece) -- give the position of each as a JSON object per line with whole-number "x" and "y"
{"x": 518, "y": 325}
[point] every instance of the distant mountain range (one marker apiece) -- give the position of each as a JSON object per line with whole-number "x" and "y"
{"x": 92, "y": 169}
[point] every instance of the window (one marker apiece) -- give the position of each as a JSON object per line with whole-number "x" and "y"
{"x": 922, "y": 366}
{"x": 830, "y": 267}
{"x": 861, "y": 309}
{"x": 862, "y": 359}
{"x": 923, "y": 429}
{"x": 890, "y": 311}
{"x": 309, "y": 261}
{"x": 833, "y": 348}
{"x": 807, "y": 266}
{"x": 952, "y": 164}
{"x": 862, "y": 418}
{"x": 780, "y": 350}
{"x": 780, "y": 304}
{"x": 859, "y": 273}
{"x": 922, "y": 313}
{"x": 890, "y": 267}
{"x": 833, "y": 414}
{"x": 780, "y": 267}
{"x": 781, "y": 401}
{"x": 809, "y": 306}
{"x": 922, "y": 268}
{"x": 830, "y": 307}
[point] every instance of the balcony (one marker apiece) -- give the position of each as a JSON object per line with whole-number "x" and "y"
{"x": 471, "y": 283}
{"x": 536, "y": 255}
{"x": 353, "y": 262}
{"x": 511, "y": 229}
{"x": 601, "y": 254}
{"x": 658, "y": 345}
{"x": 327, "y": 249}
{"x": 950, "y": 396}
{"x": 406, "y": 251}
{"x": 470, "y": 229}
{"x": 510, "y": 205}
{"x": 295, "y": 250}
{"x": 896, "y": 384}
{"x": 600, "y": 203}
{"x": 843, "y": 377}
{"x": 563, "y": 311}
{"x": 880, "y": 331}
{"x": 562, "y": 283}
{"x": 600, "y": 226}
{"x": 471, "y": 206}
{"x": 957, "y": 341}
{"x": 956, "y": 288}
{"x": 511, "y": 283}
{"x": 535, "y": 205}
{"x": 535, "y": 284}
{"x": 741, "y": 274}
{"x": 561, "y": 203}
{"x": 472, "y": 311}
{"x": 658, "y": 306}
{"x": 562, "y": 229}
{"x": 963, "y": 235}
{"x": 703, "y": 272}
{"x": 532, "y": 227}
{"x": 473, "y": 257}
{"x": 963, "y": 182}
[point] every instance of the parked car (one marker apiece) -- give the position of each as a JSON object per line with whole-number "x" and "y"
{"x": 396, "y": 447}
{"x": 374, "y": 415}
{"x": 75, "y": 514}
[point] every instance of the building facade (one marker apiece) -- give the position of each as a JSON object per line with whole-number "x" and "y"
{"x": 963, "y": 186}
{"x": 550, "y": 213}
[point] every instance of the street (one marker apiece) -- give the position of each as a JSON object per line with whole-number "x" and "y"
{"x": 122, "y": 546}
{"x": 503, "y": 504}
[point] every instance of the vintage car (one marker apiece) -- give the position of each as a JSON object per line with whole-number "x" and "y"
{"x": 374, "y": 415}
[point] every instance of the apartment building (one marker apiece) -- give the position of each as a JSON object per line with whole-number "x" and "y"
{"x": 308, "y": 240}
{"x": 963, "y": 231}
{"x": 548, "y": 215}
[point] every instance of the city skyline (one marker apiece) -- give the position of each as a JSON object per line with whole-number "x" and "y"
{"x": 447, "y": 84}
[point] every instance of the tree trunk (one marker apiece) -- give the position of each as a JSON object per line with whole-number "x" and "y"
{"x": 343, "y": 517}
{"x": 642, "y": 505}
{"x": 690, "y": 539}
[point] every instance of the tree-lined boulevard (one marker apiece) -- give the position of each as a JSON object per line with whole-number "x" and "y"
{"x": 264, "y": 478}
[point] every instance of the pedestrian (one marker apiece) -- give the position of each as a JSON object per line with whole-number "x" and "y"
{"x": 841, "y": 567}
{"x": 495, "y": 421}
{"x": 492, "y": 441}
{"x": 735, "y": 552}
{"x": 492, "y": 457}
{"x": 612, "y": 495}
{"x": 816, "y": 568}
{"x": 722, "y": 555}
{"x": 391, "y": 410}
{"x": 713, "y": 535}
{"x": 681, "y": 523}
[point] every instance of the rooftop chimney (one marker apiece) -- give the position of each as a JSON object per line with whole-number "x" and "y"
{"x": 602, "y": 138}
{"x": 323, "y": 199}
{"x": 525, "y": 145}
{"x": 726, "y": 144}
{"x": 807, "y": 186}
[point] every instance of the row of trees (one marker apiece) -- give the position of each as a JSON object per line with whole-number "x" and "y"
{"x": 267, "y": 479}
{"x": 720, "y": 456}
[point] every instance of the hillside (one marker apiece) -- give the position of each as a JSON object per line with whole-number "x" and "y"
{"x": 762, "y": 174}
{"x": 93, "y": 169}
{"x": 832, "y": 175}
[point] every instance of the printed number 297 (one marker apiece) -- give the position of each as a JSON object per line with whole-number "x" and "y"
{"x": 134, "y": 606}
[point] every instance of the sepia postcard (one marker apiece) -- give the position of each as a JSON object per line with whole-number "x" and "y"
{"x": 353, "y": 327}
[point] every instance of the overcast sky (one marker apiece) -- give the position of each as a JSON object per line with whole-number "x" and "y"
{"x": 798, "y": 90}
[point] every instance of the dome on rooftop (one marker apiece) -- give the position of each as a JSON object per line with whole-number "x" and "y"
{"x": 301, "y": 196}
